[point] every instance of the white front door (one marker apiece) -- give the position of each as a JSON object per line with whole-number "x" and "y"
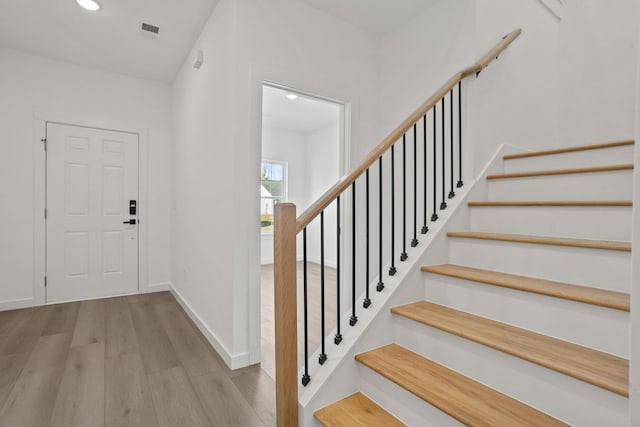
{"x": 92, "y": 178}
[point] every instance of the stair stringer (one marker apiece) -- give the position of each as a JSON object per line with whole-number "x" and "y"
{"x": 340, "y": 376}
{"x": 634, "y": 376}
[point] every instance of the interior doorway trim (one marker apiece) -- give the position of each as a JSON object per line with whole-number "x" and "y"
{"x": 39, "y": 203}
{"x": 344, "y": 150}
{"x": 255, "y": 300}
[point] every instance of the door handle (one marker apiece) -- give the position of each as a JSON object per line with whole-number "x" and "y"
{"x": 131, "y": 221}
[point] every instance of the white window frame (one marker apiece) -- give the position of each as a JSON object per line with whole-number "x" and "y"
{"x": 284, "y": 197}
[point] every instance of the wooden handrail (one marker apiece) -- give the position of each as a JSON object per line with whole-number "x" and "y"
{"x": 287, "y": 227}
{"x": 327, "y": 198}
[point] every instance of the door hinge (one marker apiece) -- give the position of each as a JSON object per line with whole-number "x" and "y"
{"x": 45, "y": 213}
{"x": 45, "y": 281}
{"x": 44, "y": 143}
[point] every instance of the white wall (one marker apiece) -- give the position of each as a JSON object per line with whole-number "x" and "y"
{"x": 290, "y": 147}
{"x": 217, "y": 138}
{"x": 562, "y": 82}
{"x": 419, "y": 57}
{"x": 31, "y": 87}
{"x": 505, "y": 100}
{"x": 323, "y": 171}
{"x": 598, "y": 56}
{"x": 323, "y": 160}
{"x": 514, "y": 100}
{"x": 204, "y": 235}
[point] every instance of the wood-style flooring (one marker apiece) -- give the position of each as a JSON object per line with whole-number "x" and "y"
{"x": 314, "y": 311}
{"x": 122, "y": 362}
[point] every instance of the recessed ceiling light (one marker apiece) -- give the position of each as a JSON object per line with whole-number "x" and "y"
{"x": 91, "y": 5}
{"x": 291, "y": 96}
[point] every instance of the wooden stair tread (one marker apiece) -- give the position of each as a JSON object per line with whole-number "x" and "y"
{"x": 462, "y": 398}
{"x": 356, "y": 410}
{"x": 594, "y": 169}
{"x": 584, "y": 294}
{"x": 595, "y": 367}
{"x": 569, "y": 150}
{"x": 570, "y": 203}
{"x": 541, "y": 240}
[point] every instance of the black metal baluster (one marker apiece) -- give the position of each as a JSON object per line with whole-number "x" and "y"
{"x": 414, "y": 242}
{"x": 323, "y": 354}
{"x": 452, "y": 194}
{"x": 460, "y": 183}
{"x": 354, "y": 318}
{"x": 305, "y": 377}
{"x": 380, "y": 286}
{"x": 392, "y": 269}
{"x": 425, "y": 228}
{"x": 443, "y": 205}
{"x": 434, "y": 215}
{"x": 403, "y": 255}
{"x": 338, "y": 338}
{"x": 367, "y": 300}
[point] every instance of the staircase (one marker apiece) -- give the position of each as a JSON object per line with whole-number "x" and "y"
{"x": 528, "y": 322}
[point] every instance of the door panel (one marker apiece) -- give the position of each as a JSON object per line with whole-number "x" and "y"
{"x": 92, "y": 174}
{"x": 76, "y": 193}
{"x": 112, "y": 188}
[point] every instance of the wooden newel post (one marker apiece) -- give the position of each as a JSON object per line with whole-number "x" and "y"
{"x": 285, "y": 315}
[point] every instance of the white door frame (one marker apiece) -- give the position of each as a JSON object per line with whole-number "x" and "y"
{"x": 344, "y": 167}
{"x": 39, "y": 202}
{"x": 344, "y": 150}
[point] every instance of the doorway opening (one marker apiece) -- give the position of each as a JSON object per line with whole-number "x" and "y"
{"x": 304, "y": 153}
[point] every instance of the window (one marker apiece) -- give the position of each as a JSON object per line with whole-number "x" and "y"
{"x": 273, "y": 190}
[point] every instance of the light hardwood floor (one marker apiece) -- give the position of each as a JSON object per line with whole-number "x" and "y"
{"x": 125, "y": 362}
{"x": 314, "y": 310}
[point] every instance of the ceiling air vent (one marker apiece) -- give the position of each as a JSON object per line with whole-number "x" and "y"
{"x": 150, "y": 30}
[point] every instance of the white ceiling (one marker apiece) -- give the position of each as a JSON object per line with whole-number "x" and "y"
{"x": 108, "y": 39}
{"x": 376, "y": 16}
{"x": 302, "y": 114}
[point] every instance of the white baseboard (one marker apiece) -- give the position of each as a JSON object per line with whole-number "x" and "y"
{"x": 233, "y": 361}
{"x": 327, "y": 263}
{"x": 315, "y": 260}
{"x": 157, "y": 287}
{"x": 17, "y": 303}
{"x": 32, "y": 302}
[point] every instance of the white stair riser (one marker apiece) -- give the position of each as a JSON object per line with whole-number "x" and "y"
{"x": 578, "y": 159}
{"x": 591, "y": 326}
{"x": 558, "y": 395}
{"x": 403, "y": 404}
{"x": 584, "y": 222}
{"x": 589, "y": 267}
{"x": 615, "y": 185}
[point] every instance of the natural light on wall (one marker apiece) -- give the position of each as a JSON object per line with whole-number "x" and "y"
{"x": 91, "y": 5}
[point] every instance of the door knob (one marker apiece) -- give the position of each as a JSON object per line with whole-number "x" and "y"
{"x": 131, "y": 221}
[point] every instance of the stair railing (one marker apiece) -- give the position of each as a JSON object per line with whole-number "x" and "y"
{"x": 287, "y": 226}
